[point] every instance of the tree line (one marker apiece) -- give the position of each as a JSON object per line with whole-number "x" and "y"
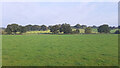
{"x": 56, "y": 29}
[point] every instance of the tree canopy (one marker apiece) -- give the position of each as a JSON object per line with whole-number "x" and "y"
{"x": 88, "y": 30}
{"x": 66, "y": 28}
{"x": 104, "y": 29}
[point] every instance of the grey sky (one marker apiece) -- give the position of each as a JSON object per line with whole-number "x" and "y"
{"x": 50, "y": 13}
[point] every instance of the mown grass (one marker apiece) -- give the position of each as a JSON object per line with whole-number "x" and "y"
{"x": 60, "y": 50}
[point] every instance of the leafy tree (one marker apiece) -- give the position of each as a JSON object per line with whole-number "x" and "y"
{"x": 28, "y": 27}
{"x": 119, "y": 27}
{"x": 77, "y": 26}
{"x": 33, "y": 28}
{"x": 43, "y": 27}
{"x": 104, "y": 29}
{"x": 8, "y": 29}
{"x": 65, "y": 28}
{"x": 36, "y": 28}
{"x": 22, "y": 29}
{"x": 94, "y": 26}
{"x": 88, "y": 30}
{"x": 83, "y": 26}
{"x": 54, "y": 29}
{"x": 112, "y": 27}
{"x": 13, "y": 28}
{"x": 49, "y": 27}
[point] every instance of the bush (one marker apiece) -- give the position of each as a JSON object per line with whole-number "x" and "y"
{"x": 88, "y": 30}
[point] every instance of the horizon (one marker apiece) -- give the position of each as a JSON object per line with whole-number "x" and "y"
{"x": 51, "y": 13}
{"x": 61, "y": 24}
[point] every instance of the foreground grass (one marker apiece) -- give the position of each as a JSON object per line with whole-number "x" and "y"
{"x": 60, "y": 50}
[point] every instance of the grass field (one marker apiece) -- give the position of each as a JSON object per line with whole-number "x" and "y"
{"x": 60, "y": 50}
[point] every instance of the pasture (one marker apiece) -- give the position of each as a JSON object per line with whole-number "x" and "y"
{"x": 60, "y": 50}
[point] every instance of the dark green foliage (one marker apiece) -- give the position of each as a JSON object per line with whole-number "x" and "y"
{"x": 43, "y": 27}
{"x": 54, "y": 29}
{"x": 118, "y": 27}
{"x": 9, "y": 29}
{"x": 12, "y": 29}
{"x": 65, "y": 28}
{"x": 22, "y": 29}
{"x": 83, "y": 26}
{"x": 113, "y": 27}
{"x": 36, "y": 28}
{"x": 49, "y": 27}
{"x": 94, "y": 26}
{"x": 104, "y": 29}
{"x": 77, "y": 26}
{"x": 28, "y": 27}
{"x": 88, "y": 30}
{"x": 33, "y": 28}
{"x": 117, "y": 32}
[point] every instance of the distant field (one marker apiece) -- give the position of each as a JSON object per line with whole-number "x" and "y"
{"x": 60, "y": 50}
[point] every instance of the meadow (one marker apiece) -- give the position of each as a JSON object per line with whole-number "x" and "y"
{"x": 60, "y": 50}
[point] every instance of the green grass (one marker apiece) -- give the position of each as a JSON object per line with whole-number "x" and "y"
{"x": 60, "y": 50}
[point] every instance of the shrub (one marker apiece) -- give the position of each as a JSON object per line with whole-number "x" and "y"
{"x": 88, "y": 30}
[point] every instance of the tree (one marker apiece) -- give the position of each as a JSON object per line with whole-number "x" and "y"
{"x": 28, "y": 27}
{"x": 65, "y": 28}
{"x": 36, "y": 28}
{"x": 112, "y": 27}
{"x": 13, "y": 28}
{"x": 88, "y": 30}
{"x": 54, "y": 29}
{"x": 104, "y": 29}
{"x": 77, "y": 31}
{"x": 119, "y": 27}
{"x": 83, "y": 26}
{"x": 94, "y": 26}
{"x": 77, "y": 26}
{"x": 43, "y": 27}
{"x": 49, "y": 27}
{"x": 8, "y": 29}
{"x": 22, "y": 29}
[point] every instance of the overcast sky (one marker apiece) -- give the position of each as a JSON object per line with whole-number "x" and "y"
{"x": 50, "y": 13}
